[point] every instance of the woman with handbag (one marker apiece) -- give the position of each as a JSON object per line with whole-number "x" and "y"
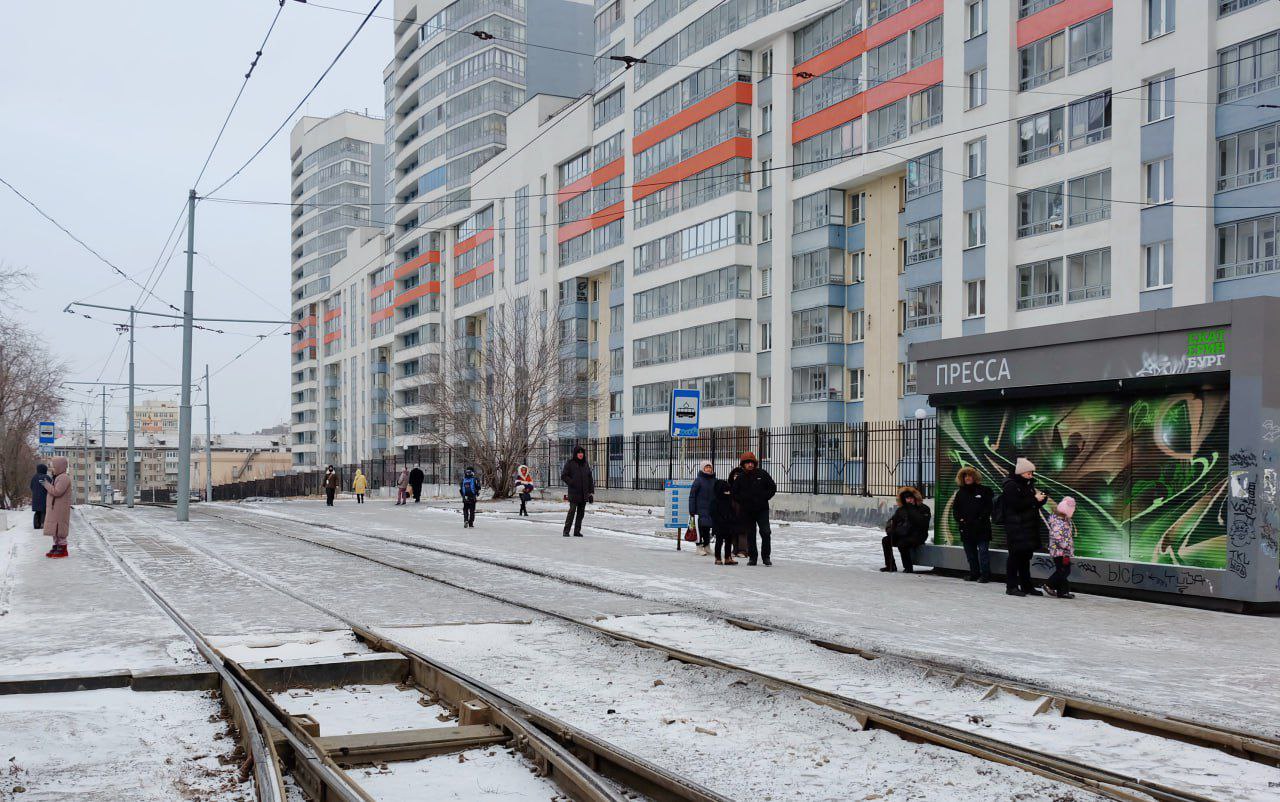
{"x": 701, "y": 497}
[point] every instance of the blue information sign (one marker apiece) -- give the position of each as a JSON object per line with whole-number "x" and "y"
{"x": 686, "y": 411}
{"x": 677, "y": 512}
{"x": 47, "y": 436}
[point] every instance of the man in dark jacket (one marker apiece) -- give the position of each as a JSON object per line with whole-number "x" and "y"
{"x": 971, "y": 509}
{"x": 701, "y": 497}
{"x": 330, "y": 485}
{"x": 907, "y": 529}
{"x": 580, "y": 489}
{"x": 415, "y": 483}
{"x": 1021, "y": 502}
{"x": 469, "y": 489}
{"x": 39, "y": 495}
{"x": 752, "y": 489}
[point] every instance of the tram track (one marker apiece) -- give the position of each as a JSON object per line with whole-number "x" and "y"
{"x": 1113, "y": 784}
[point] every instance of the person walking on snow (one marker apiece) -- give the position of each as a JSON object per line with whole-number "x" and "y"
{"x": 907, "y": 529}
{"x": 1062, "y": 548}
{"x": 402, "y": 487}
{"x": 724, "y": 522}
{"x": 358, "y": 485}
{"x": 580, "y": 489}
{"x": 469, "y": 488}
{"x": 38, "y": 496}
{"x": 57, "y": 520}
{"x": 1020, "y": 504}
{"x": 701, "y": 497}
{"x": 971, "y": 509}
{"x": 524, "y": 488}
{"x": 330, "y": 485}
{"x": 752, "y": 489}
{"x": 415, "y": 483}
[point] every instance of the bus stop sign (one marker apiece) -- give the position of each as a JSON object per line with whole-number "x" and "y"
{"x": 686, "y": 410}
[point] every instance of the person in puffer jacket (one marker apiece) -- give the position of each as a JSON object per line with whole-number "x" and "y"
{"x": 1062, "y": 548}
{"x": 907, "y": 529}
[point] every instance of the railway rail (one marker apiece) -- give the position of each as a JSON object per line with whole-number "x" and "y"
{"x": 1109, "y": 783}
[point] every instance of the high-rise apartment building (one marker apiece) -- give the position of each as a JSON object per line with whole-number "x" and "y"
{"x": 770, "y": 200}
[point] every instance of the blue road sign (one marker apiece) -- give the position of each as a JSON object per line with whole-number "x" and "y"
{"x": 47, "y": 434}
{"x": 686, "y": 411}
{"x": 677, "y": 512}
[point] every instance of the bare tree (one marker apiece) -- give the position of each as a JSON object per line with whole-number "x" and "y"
{"x": 501, "y": 389}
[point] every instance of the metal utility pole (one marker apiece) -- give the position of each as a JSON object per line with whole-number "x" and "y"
{"x": 184, "y": 411}
{"x": 103, "y": 482}
{"x": 84, "y": 450}
{"x": 131, "y": 455}
{"x": 208, "y": 439}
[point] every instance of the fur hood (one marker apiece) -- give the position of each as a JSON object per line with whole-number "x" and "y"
{"x": 968, "y": 470}
{"x": 903, "y": 492}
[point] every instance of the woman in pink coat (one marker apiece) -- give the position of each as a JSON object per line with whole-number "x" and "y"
{"x": 57, "y": 519}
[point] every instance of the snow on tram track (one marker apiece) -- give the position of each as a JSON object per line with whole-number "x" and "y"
{"x": 1108, "y": 749}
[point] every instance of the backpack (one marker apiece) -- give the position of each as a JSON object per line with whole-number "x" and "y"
{"x": 469, "y": 487}
{"x": 998, "y": 511}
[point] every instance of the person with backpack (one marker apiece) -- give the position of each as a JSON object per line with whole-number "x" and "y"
{"x": 580, "y": 489}
{"x": 752, "y": 489}
{"x": 330, "y": 485}
{"x": 359, "y": 485}
{"x": 701, "y": 497}
{"x": 1018, "y": 510}
{"x": 524, "y": 488}
{"x": 469, "y": 488}
{"x": 1062, "y": 548}
{"x": 905, "y": 530}
{"x": 39, "y": 496}
{"x": 971, "y": 509}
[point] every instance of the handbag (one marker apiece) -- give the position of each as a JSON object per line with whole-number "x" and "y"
{"x": 691, "y": 534}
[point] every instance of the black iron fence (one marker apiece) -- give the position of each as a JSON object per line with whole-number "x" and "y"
{"x": 863, "y": 459}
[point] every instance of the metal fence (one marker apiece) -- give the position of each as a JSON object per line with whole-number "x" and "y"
{"x": 863, "y": 459}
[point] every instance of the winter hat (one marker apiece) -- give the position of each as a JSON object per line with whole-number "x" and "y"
{"x": 1067, "y": 507}
{"x": 706, "y": 463}
{"x": 749, "y": 456}
{"x": 1024, "y": 465}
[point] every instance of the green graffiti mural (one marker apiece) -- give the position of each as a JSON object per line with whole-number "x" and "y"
{"x": 1149, "y": 473}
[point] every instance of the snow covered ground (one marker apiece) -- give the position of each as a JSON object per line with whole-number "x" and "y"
{"x": 1165, "y": 659}
{"x": 492, "y": 773}
{"x": 363, "y": 708}
{"x": 118, "y": 745}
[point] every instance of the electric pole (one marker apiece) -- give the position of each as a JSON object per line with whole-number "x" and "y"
{"x": 103, "y": 481}
{"x": 184, "y": 411}
{"x": 84, "y": 450}
{"x": 129, "y": 483}
{"x": 208, "y": 439}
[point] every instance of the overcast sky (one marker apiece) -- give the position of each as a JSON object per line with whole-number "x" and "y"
{"x": 108, "y": 111}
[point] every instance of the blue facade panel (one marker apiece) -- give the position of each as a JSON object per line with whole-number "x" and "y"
{"x": 856, "y": 238}
{"x": 1231, "y": 206}
{"x": 974, "y": 263}
{"x": 1156, "y": 224}
{"x": 923, "y": 208}
{"x": 975, "y": 194}
{"x": 817, "y": 412}
{"x": 1157, "y": 140}
{"x": 825, "y": 295}
{"x": 822, "y": 354}
{"x": 972, "y": 326}
{"x": 975, "y": 49}
{"x": 1232, "y": 118}
{"x": 1155, "y": 299}
{"x": 824, "y": 237}
{"x": 1248, "y": 287}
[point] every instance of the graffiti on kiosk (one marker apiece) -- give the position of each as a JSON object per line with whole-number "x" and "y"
{"x": 1270, "y": 431}
{"x": 1162, "y": 365}
{"x": 1162, "y": 579}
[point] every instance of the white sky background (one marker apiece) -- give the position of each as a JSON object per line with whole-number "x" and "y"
{"x": 107, "y": 111}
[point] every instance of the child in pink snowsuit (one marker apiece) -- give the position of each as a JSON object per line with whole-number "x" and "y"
{"x": 1062, "y": 548}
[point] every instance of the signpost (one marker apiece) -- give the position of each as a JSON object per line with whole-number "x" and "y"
{"x": 677, "y": 511}
{"x": 47, "y": 437}
{"x": 686, "y": 411}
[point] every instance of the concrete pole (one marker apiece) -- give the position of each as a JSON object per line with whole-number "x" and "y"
{"x": 208, "y": 439}
{"x": 102, "y": 446}
{"x": 84, "y": 443}
{"x": 129, "y": 481}
{"x": 184, "y": 411}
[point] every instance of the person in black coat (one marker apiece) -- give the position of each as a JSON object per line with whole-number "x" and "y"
{"x": 580, "y": 489}
{"x": 752, "y": 489}
{"x": 39, "y": 496}
{"x": 701, "y": 495}
{"x": 725, "y": 518}
{"x": 415, "y": 483}
{"x": 907, "y": 529}
{"x": 1021, "y": 502}
{"x": 971, "y": 509}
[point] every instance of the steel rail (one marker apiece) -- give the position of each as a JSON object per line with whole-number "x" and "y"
{"x": 1104, "y": 781}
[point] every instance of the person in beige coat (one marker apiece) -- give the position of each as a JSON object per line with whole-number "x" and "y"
{"x": 57, "y": 519}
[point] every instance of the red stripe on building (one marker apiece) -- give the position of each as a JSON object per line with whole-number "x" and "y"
{"x": 382, "y": 314}
{"x": 1058, "y": 17}
{"x": 737, "y": 147}
{"x": 411, "y": 266}
{"x": 385, "y": 287}
{"x": 877, "y": 97}
{"x": 470, "y": 243}
{"x": 830, "y": 117}
{"x": 473, "y": 274}
{"x": 309, "y": 320}
{"x": 738, "y": 92}
{"x": 874, "y": 36}
{"x": 310, "y": 342}
{"x": 577, "y": 228}
{"x": 331, "y": 336}
{"x": 414, "y": 293}
{"x": 332, "y": 313}
{"x": 608, "y": 172}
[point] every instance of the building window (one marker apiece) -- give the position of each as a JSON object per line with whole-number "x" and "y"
{"x": 1040, "y": 284}
{"x": 1157, "y": 260}
{"x": 923, "y": 307}
{"x": 907, "y": 370}
{"x": 975, "y": 16}
{"x": 975, "y": 157}
{"x": 1248, "y": 158}
{"x": 766, "y": 118}
{"x": 1248, "y": 68}
{"x": 857, "y": 208}
{"x": 766, "y": 173}
{"x": 888, "y": 124}
{"x": 1158, "y": 92}
{"x": 857, "y": 326}
{"x": 766, "y": 336}
{"x": 1039, "y": 210}
{"x": 1157, "y": 176}
{"x": 766, "y": 64}
{"x": 1091, "y": 42}
{"x": 816, "y": 383}
{"x": 823, "y": 324}
{"x": 926, "y": 108}
{"x": 766, "y": 282}
{"x": 766, "y": 227}
{"x": 975, "y": 298}
{"x": 824, "y": 208}
{"x": 975, "y": 228}
{"x": 1089, "y": 198}
{"x": 1159, "y": 16}
{"x": 1247, "y": 248}
{"x": 857, "y": 267}
{"x": 1090, "y": 120}
{"x": 856, "y": 380}
{"x": 1226, "y": 7}
{"x": 976, "y": 88}
{"x": 924, "y": 175}
{"x": 1089, "y": 275}
{"x": 924, "y": 240}
{"x": 1042, "y": 61}
{"x": 766, "y": 390}
{"x": 1040, "y": 136}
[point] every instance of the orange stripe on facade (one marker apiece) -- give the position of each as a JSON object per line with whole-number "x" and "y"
{"x": 601, "y": 218}
{"x": 1058, "y": 17}
{"x": 864, "y": 40}
{"x": 738, "y": 92}
{"x": 472, "y": 242}
{"x": 414, "y": 293}
{"x": 331, "y": 336}
{"x": 739, "y": 146}
{"x": 309, "y": 320}
{"x": 473, "y": 274}
{"x": 382, "y": 314}
{"x": 606, "y": 173}
{"x": 310, "y": 342}
{"x": 877, "y": 97}
{"x": 411, "y": 266}
{"x": 332, "y": 313}
{"x": 382, "y": 289}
